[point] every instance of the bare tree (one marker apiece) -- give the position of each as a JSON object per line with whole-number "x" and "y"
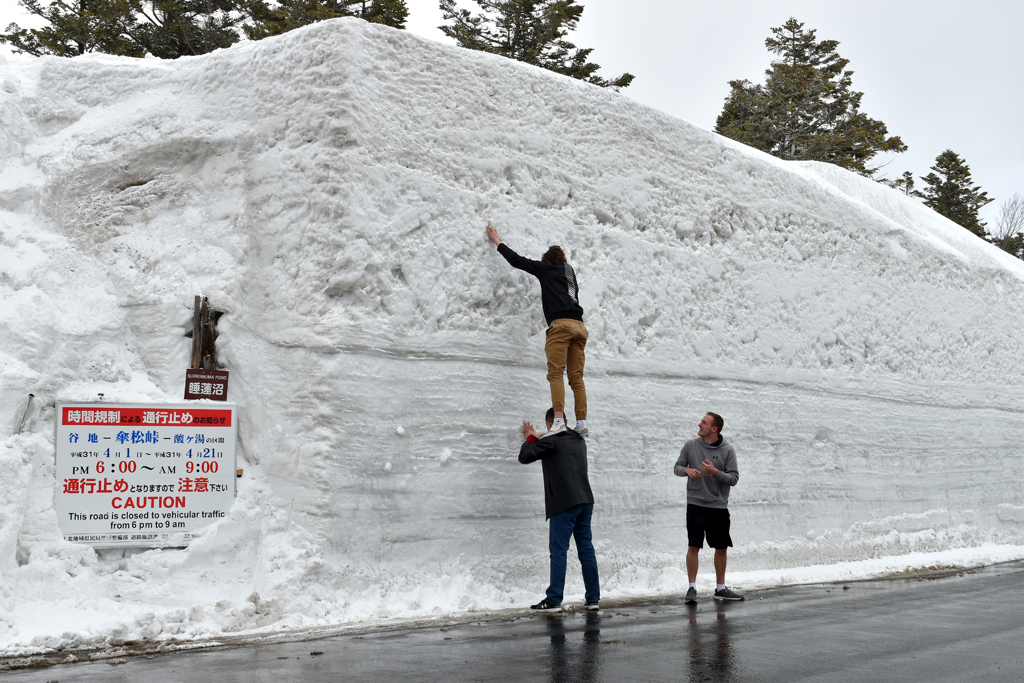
{"x": 1009, "y": 231}
{"x": 1011, "y": 218}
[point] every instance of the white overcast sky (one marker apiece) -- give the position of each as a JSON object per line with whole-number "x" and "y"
{"x": 940, "y": 73}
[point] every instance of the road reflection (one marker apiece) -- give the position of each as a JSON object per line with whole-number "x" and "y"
{"x": 573, "y": 658}
{"x": 710, "y": 656}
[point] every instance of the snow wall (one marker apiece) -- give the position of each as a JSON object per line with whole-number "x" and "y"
{"x": 328, "y": 190}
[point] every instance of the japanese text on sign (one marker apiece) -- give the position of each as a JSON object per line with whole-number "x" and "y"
{"x": 149, "y": 475}
{"x": 179, "y": 416}
{"x": 206, "y": 383}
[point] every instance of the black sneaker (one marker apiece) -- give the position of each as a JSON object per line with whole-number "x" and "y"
{"x": 726, "y": 594}
{"x": 592, "y": 604}
{"x": 546, "y": 605}
{"x": 691, "y": 596}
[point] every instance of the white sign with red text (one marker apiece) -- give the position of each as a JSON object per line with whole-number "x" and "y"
{"x": 142, "y": 474}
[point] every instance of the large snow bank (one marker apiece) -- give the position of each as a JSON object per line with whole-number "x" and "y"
{"x": 328, "y": 190}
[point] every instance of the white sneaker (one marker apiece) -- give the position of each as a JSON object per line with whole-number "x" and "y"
{"x": 583, "y": 431}
{"x": 556, "y": 429}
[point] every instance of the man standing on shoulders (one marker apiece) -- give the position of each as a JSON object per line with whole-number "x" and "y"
{"x": 568, "y": 507}
{"x": 709, "y": 462}
{"x": 566, "y": 335}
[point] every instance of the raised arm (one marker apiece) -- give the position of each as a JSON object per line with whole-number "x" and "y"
{"x": 514, "y": 259}
{"x": 533, "y": 451}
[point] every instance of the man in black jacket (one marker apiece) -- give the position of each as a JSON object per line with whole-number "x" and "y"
{"x": 566, "y": 335}
{"x": 568, "y": 507}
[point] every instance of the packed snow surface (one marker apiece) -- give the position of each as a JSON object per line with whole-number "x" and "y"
{"x": 328, "y": 191}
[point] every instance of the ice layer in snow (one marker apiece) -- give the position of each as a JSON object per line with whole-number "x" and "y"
{"x": 328, "y": 191}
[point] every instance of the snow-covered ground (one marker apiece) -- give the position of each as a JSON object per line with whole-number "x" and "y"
{"x": 328, "y": 190}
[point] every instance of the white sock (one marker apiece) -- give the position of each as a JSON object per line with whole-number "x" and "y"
{"x": 580, "y": 424}
{"x": 720, "y": 587}
{"x": 558, "y": 421}
{"x": 693, "y": 586}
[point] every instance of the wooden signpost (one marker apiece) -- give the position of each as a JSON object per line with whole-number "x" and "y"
{"x": 203, "y": 379}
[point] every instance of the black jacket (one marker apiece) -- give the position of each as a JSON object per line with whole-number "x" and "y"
{"x": 559, "y": 293}
{"x": 564, "y": 460}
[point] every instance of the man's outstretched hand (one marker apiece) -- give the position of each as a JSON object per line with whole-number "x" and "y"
{"x": 493, "y": 234}
{"x": 528, "y": 430}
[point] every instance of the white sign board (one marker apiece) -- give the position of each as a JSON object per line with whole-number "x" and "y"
{"x": 143, "y": 474}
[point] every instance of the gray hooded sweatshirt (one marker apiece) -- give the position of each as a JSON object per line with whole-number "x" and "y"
{"x": 708, "y": 491}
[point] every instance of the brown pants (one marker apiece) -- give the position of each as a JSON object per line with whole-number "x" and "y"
{"x": 564, "y": 348}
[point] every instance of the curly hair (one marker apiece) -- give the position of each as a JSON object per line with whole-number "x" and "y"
{"x": 554, "y": 253}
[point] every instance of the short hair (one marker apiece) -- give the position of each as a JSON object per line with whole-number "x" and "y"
{"x": 717, "y": 420}
{"x": 550, "y": 415}
{"x": 554, "y": 253}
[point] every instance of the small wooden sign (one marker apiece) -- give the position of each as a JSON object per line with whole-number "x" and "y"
{"x": 211, "y": 384}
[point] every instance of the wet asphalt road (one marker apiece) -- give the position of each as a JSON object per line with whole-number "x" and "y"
{"x": 966, "y": 627}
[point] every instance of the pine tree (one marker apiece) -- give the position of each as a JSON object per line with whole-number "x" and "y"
{"x": 174, "y": 28}
{"x": 76, "y": 27}
{"x": 806, "y": 110}
{"x": 393, "y": 13}
{"x": 291, "y": 14}
{"x": 531, "y": 31}
{"x": 949, "y": 192}
{"x": 905, "y": 184}
{"x": 164, "y": 28}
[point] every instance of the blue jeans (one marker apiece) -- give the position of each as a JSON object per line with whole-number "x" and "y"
{"x": 573, "y": 522}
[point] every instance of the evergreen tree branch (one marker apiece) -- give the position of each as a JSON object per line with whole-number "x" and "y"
{"x": 531, "y": 31}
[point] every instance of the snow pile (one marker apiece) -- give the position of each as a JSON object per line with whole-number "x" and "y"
{"x": 328, "y": 190}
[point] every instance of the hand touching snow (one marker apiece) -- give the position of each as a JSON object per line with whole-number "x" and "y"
{"x": 493, "y": 234}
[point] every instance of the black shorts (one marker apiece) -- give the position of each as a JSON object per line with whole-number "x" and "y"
{"x": 711, "y": 521}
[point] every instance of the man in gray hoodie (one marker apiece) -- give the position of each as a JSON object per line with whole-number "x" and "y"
{"x": 709, "y": 462}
